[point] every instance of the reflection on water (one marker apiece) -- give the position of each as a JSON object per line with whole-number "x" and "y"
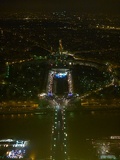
{"x": 36, "y": 128}
{"x": 16, "y": 153}
{"x": 89, "y": 134}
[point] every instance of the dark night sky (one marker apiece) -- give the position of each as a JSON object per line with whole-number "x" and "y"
{"x": 108, "y": 6}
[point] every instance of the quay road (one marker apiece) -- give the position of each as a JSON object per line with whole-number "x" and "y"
{"x": 59, "y": 135}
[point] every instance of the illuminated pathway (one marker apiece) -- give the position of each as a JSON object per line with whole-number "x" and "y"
{"x": 59, "y": 135}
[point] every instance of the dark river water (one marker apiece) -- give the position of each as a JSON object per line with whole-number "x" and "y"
{"x": 36, "y": 128}
{"x": 83, "y": 130}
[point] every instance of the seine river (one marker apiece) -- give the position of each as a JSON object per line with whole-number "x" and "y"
{"x": 83, "y": 129}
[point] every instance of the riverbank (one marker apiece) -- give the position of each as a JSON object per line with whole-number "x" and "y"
{"x": 93, "y": 108}
{"x": 32, "y": 111}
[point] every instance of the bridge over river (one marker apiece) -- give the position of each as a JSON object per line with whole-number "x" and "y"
{"x": 59, "y": 134}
